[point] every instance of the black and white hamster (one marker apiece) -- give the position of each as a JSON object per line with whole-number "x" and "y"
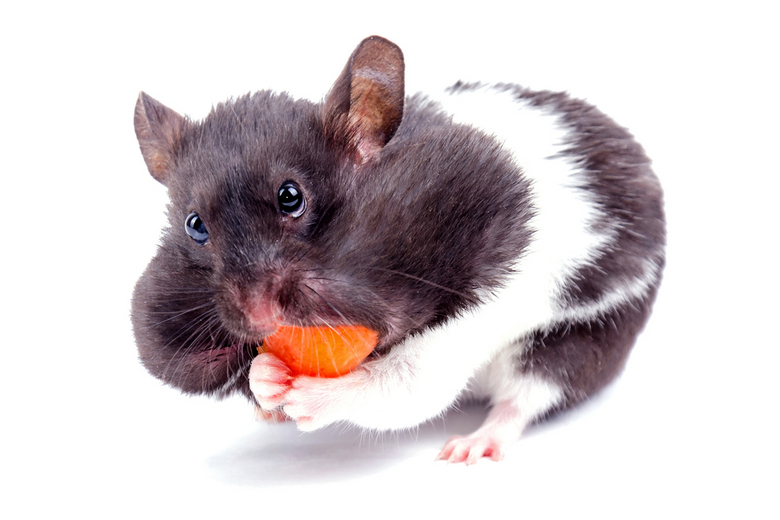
{"x": 506, "y": 244}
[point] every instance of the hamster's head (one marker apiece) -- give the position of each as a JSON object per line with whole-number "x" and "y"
{"x": 262, "y": 198}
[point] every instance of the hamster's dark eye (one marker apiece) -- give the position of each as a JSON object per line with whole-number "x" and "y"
{"x": 196, "y": 229}
{"x": 291, "y": 199}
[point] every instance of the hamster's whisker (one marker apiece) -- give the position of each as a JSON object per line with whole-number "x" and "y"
{"x": 177, "y": 296}
{"x": 215, "y": 345}
{"x": 179, "y": 314}
{"x": 193, "y": 323}
{"x": 468, "y": 297}
{"x": 187, "y": 290}
{"x": 322, "y": 278}
{"x": 218, "y": 344}
{"x": 303, "y": 253}
{"x": 197, "y": 329}
{"x": 186, "y": 346}
{"x": 324, "y": 300}
{"x": 324, "y": 211}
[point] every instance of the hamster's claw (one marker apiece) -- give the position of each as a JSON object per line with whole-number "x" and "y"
{"x": 316, "y": 402}
{"x": 269, "y": 380}
{"x": 472, "y": 448}
{"x": 273, "y": 416}
{"x": 310, "y": 402}
{"x": 502, "y": 428}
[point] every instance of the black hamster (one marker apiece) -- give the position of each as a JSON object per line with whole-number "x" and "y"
{"x": 506, "y": 244}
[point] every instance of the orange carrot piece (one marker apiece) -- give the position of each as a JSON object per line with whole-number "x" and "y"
{"x": 321, "y": 351}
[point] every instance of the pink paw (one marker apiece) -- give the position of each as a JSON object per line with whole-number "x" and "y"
{"x": 309, "y": 403}
{"x": 316, "y": 402}
{"x": 269, "y": 380}
{"x": 472, "y": 448}
{"x": 273, "y": 416}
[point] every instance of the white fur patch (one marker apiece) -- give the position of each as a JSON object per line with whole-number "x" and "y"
{"x": 423, "y": 376}
{"x": 563, "y": 239}
{"x": 500, "y": 382}
{"x": 631, "y": 289}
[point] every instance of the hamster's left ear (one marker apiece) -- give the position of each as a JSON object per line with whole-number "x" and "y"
{"x": 158, "y": 129}
{"x": 366, "y": 104}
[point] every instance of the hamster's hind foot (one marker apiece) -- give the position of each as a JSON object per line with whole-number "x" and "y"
{"x": 502, "y": 428}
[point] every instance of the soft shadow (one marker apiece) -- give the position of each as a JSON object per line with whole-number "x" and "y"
{"x": 278, "y": 454}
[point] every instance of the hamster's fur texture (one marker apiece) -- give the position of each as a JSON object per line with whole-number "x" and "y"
{"x": 507, "y": 244}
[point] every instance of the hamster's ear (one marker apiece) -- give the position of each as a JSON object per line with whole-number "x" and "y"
{"x": 366, "y": 104}
{"x": 159, "y": 130}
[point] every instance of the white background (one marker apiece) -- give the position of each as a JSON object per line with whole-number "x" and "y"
{"x": 688, "y": 431}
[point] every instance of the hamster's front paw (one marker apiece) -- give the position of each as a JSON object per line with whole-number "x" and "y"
{"x": 269, "y": 380}
{"x": 315, "y": 402}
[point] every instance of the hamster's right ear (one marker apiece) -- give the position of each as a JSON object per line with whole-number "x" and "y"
{"x": 159, "y": 130}
{"x": 366, "y": 104}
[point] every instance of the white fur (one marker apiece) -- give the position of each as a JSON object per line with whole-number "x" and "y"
{"x": 563, "y": 239}
{"x": 452, "y": 354}
{"x": 622, "y": 292}
{"x": 499, "y": 382}
{"x": 423, "y": 376}
{"x": 528, "y": 397}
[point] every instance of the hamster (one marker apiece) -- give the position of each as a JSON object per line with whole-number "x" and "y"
{"x": 506, "y": 244}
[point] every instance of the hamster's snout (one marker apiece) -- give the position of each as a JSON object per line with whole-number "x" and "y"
{"x": 263, "y": 315}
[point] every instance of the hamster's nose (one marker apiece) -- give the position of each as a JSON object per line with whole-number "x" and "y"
{"x": 263, "y": 315}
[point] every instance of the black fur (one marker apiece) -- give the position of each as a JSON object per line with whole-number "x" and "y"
{"x": 405, "y": 227}
{"x": 398, "y": 245}
{"x": 583, "y": 356}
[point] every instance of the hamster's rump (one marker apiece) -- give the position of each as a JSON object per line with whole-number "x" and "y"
{"x": 583, "y": 288}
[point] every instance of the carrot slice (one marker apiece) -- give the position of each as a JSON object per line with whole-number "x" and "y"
{"x": 321, "y": 351}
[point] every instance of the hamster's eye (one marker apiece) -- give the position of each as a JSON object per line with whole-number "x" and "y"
{"x": 291, "y": 199}
{"x": 196, "y": 229}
